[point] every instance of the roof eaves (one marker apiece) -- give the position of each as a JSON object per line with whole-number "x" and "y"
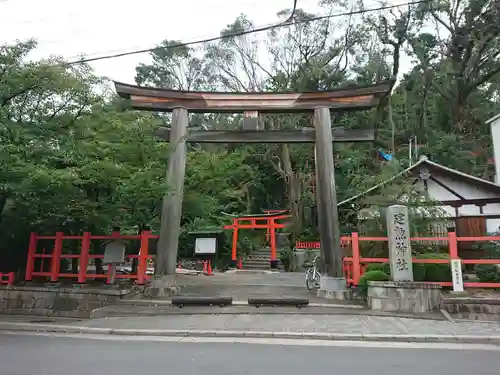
{"x": 493, "y": 119}
{"x": 461, "y": 174}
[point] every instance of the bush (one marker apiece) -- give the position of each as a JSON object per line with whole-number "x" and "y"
{"x": 432, "y": 272}
{"x": 384, "y": 267}
{"x": 374, "y": 275}
{"x": 487, "y": 273}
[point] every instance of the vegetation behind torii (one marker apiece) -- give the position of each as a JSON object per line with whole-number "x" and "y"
{"x": 72, "y": 160}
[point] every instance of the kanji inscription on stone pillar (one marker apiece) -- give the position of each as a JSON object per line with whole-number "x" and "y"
{"x": 398, "y": 232}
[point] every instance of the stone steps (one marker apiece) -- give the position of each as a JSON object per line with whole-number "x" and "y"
{"x": 260, "y": 260}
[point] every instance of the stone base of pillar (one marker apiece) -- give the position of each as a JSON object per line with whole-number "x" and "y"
{"x": 162, "y": 286}
{"x": 274, "y": 264}
{"x": 333, "y": 288}
{"x": 404, "y": 296}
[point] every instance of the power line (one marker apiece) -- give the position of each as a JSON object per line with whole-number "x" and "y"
{"x": 288, "y": 22}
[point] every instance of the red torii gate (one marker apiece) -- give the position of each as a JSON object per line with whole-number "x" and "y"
{"x": 266, "y": 221}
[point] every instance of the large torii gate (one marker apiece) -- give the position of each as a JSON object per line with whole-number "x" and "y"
{"x": 180, "y": 103}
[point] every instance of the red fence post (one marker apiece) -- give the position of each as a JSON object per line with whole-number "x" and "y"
{"x": 143, "y": 257}
{"x": 452, "y": 245}
{"x": 272, "y": 229}
{"x": 10, "y": 278}
{"x": 30, "y": 263}
{"x": 356, "y": 266}
{"x": 83, "y": 262}
{"x": 235, "y": 240}
{"x": 56, "y": 257}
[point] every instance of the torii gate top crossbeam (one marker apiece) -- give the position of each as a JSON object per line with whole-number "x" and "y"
{"x": 162, "y": 100}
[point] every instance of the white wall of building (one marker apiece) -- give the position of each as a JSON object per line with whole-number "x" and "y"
{"x": 495, "y": 138}
{"x": 467, "y": 191}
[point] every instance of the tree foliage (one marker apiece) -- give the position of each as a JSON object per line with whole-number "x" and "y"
{"x": 73, "y": 160}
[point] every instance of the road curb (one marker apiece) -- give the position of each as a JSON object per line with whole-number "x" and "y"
{"x": 464, "y": 339}
{"x": 239, "y": 303}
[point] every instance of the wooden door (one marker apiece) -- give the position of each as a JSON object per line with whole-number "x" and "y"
{"x": 474, "y": 226}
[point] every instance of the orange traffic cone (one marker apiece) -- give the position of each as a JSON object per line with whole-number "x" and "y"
{"x": 209, "y": 270}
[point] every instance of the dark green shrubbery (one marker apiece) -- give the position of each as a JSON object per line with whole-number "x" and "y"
{"x": 421, "y": 272}
{"x": 487, "y": 273}
{"x": 384, "y": 267}
{"x": 432, "y": 272}
{"x": 373, "y": 275}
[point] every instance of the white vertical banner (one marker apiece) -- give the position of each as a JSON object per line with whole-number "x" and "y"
{"x": 456, "y": 275}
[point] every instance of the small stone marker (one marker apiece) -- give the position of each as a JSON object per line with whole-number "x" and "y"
{"x": 398, "y": 231}
{"x": 456, "y": 275}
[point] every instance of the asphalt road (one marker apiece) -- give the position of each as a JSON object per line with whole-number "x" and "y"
{"x": 44, "y": 355}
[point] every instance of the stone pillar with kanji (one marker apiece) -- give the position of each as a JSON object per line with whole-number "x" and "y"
{"x": 398, "y": 232}
{"x": 401, "y": 293}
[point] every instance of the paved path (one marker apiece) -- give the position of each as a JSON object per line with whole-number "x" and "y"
{"x": 20, "y": 355}
{"x": 246, "y": 278}
{"x": 242, "y": 285}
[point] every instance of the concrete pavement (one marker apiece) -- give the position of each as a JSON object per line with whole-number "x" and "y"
{"x": 324, "y": 327}
{"x": 20, "y": 355}
{"x": 242, "y": 285}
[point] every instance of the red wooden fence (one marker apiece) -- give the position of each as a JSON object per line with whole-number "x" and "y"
{"x": 7, "y": 278}
{"x": 355, "y": 265}
{"x": 84, "y": 257}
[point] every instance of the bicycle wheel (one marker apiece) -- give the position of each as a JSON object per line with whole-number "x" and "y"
{"x": 309, "y": 280}
{"x": 317, "y": 280}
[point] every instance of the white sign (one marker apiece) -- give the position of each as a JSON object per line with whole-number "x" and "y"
{"x": 456, "y": 275}
{"x": 205, "y": 245}
{"x": 398, "y": 231}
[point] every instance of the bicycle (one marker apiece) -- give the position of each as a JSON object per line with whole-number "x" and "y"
{"x": 313, "y": 276}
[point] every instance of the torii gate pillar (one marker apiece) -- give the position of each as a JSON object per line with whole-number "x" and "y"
{"x": 166, "y": 254}
{"x": 333, "y": 284}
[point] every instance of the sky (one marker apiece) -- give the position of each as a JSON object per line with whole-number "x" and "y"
{"x": 97, "y": 27}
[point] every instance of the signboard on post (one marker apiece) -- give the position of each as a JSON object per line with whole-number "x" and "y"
{"x": 204, "y": 246}
{"x": 114, "y": 253}
{"x": 456, "y": 275}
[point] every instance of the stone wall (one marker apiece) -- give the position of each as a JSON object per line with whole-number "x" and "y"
{"x": 412, "y": 297}
{"x": 471, "y": 308}
{"x": 76, "y": 302}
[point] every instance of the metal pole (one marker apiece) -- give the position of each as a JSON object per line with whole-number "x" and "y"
{"x": 166, "y": 257}
{"x": 326, "y": 194}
